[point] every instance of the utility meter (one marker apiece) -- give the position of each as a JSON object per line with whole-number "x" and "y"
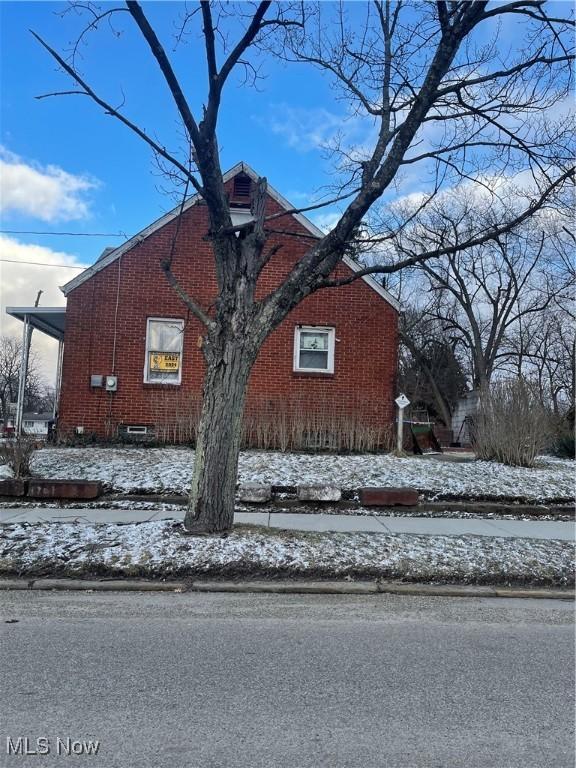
{"x": 111, "y": 383}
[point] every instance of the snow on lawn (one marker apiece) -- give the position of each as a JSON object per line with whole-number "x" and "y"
{"x": 159, "y": 549}
{"x": 169, "y": 470}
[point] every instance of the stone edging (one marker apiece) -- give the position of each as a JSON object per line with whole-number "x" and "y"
{"x": 258, "y": 494}
{"x": 39, "y": 488}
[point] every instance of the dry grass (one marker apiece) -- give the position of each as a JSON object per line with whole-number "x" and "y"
{"x": 280, "y": 425}
{"x": 176, "y": 418}
{"x": 285, "y": 426}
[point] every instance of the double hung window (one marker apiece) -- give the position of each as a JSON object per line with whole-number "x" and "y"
{"x": 314, "y": 349}
{"x": 163, "y": 363}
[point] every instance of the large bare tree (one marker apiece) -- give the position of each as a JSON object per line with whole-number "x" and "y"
{"x": 485, "y": 296}
{"x": 429, "y": 81}
{"x": 431, "y": 372}
{"x": 491, "y": 302}
{"x": 545, "y": 352}
{"x": 35, "y": 392}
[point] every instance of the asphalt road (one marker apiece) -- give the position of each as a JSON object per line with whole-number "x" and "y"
{"x": 274, "y": 681}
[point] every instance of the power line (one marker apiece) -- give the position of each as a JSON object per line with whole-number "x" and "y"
{"x": 44, "y": 264}
{"x": 71, "y": 234}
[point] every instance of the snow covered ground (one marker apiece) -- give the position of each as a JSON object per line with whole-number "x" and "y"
{"x": 159, "y": 549}
{"x": 164, "y": 470}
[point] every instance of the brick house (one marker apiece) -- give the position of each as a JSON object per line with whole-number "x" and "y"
{"x": 131, "y": 363}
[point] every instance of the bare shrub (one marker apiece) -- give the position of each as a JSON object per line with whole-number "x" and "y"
{"x": 287, "y": 425}
{"x": 176, "y": 416}
{"x": 279, "y": 424}
{"x": 511, "y": 425}
{"x": 17, "y": 453}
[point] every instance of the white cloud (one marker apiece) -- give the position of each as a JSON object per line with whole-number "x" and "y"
{"x": 47, "y": 193}
{"x": 308, "y": 129}
{"x": 485, "y": 190}
{"x": 326, "y": 220}
{"x": 19, "y": 284}
{"x": 297, "y": 197}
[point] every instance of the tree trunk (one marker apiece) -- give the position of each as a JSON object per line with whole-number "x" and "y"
{"x": 482, "y": 370}
{"x": 212, "y": 496}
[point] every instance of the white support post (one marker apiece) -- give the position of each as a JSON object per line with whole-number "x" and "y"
{"x": 58, "y": 377}
{"x": 401, "y": 401}
{"x": 22, "y": 377}
{"x": 400, "y": 437}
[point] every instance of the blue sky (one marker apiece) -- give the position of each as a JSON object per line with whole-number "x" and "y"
{"x": 68, "y": 167}
{"x": 266, "y": 127}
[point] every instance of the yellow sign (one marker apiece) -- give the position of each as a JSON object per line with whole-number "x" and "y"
{"x": 164, "y": 362}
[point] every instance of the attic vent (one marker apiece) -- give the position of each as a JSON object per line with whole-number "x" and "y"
{"x": 242, "y": 186}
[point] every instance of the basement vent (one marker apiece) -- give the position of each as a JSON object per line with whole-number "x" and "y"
{"x": 136, "y": 430}
{"x": 242, "y": 187}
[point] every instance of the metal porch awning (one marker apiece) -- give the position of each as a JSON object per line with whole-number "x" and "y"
{"x": 48, "y": 320}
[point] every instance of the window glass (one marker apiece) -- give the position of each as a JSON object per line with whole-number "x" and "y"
{"x": 314, "y": 349}
{"x": 164, "y": 351}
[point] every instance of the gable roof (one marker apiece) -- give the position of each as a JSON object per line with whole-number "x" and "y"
{"x": 110, "y": 255}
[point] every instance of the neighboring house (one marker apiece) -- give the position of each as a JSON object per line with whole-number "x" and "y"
{"x": 37, "y": 423}
{"x": 463, "y": 413}
{"x": 131, "y": 362}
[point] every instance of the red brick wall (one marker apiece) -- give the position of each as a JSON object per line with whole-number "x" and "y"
{"x": 366, "y": 333}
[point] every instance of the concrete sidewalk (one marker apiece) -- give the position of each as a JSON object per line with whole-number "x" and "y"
{"x": 426, "y": 526}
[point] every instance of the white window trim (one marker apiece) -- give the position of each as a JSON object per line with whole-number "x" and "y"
{"x": 167, "y": 382}
{"x": 331, "y": 331}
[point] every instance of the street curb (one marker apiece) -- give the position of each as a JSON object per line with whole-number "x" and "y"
{"x": 87, "y": 585}
{"x": 378, "y": 587}
{"x": 288, "y": 587}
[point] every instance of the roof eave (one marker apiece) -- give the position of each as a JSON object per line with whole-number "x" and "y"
{"x": 163, "y": 220}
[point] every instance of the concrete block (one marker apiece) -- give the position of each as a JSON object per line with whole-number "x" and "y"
{"x": 12, "y": 487}
{"x": 319, "y": 493}
{"x": 64, "y": 489}
{"x": 254, "y": 493}
{"x": 388, "y": 497}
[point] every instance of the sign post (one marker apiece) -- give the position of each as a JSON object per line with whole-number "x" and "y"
{"x": 401, "y": 401}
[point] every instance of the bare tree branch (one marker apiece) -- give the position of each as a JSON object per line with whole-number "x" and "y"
{"x": 110, "y": 110}
{"x": 166, "y": 68}
{"x": 472, "y": 242}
